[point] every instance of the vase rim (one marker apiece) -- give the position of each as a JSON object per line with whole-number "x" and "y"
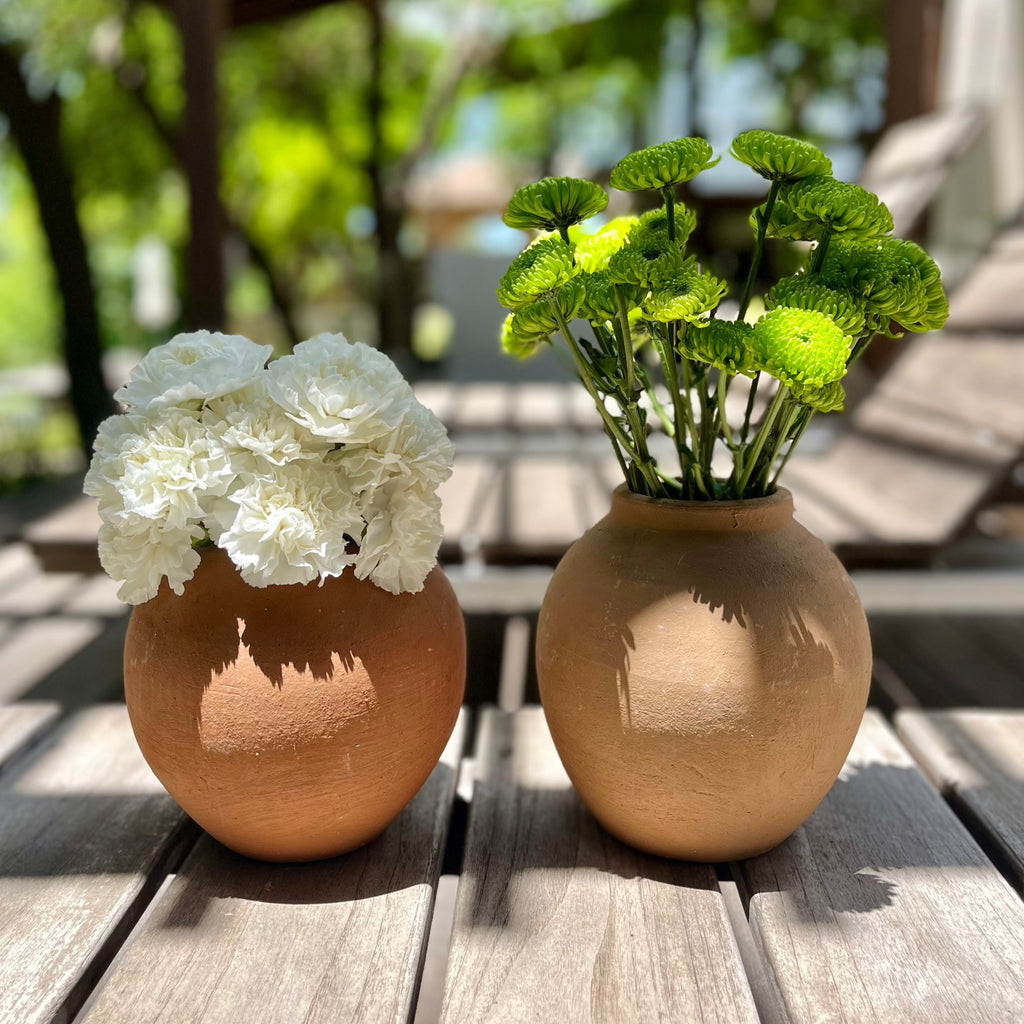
{"x": 749, "y": 514}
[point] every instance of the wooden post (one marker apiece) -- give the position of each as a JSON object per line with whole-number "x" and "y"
{"x": 913, "y": 29}
{"x": 201, "y": 26}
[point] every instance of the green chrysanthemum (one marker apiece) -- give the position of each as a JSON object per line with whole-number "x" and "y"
{"x": 800, "y": 345}
{"x": 520, "y": 345}
{"x": 554, "y": 203}
{"x": 647, "y": 257}
{"x": 724, "y": 344}
{"x": 685, "y": 221}
{"x": 685, "y": 294}
{"x": 839, "y": 205}
{"x": 899, "y": 284}
{"x": 802, "y": 292}
{"x": 663, "y": 165}
{"x": 544, "y": 266}
{"x": 599, "y": 302}
{"x": 778, "y": 157}
{"x": 543, "y": 316}
{"x": 823, "y": 398}
{"x": 594, "y": 251}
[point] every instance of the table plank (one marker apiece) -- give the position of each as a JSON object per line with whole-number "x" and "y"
{"x": 882, "y": 908}
{"x": 86, "y": 832}
{"x": 232, "y": 939}
{"x": 556, "y": 921}
{"x": 976, "y": 757}
{"x": 21, "y": 724}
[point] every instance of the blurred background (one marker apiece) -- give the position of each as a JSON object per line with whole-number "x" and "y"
{"x": 282, "y": 167}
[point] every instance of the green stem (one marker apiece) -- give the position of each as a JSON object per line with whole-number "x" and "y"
{"x": 614, "y": 431}
{"x": 696, "y": 464}
{"x": 629, "y": 404}
{"x": 808, "y": 414}
{"x": 749, "y": 411}
{"x": 721, "y": 393}
{"x": 755, "y": 263}
{"x": 707, "y": 426}
{"x": 818, "y": 260}
{"x": 751, "y": 458}
{"x": 859, "y": 346}
{"x": 660, "y": 411}
{"x": 670, "y": 211}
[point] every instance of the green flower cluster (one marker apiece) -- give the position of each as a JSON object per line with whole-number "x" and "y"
{"x": 898, "y": 285}
{"x": 654, "y": 315}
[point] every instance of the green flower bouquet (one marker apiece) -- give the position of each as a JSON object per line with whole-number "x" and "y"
{"x": 657, "y": 345}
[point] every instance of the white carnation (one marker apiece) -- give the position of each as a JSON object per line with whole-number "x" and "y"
{"x": 401, "y": 542}
{"x": 289, "y": 527}
{"x": 193, "y": 368}
{"x": 138, "y": 554}
{"x": 323, "y": 460}
{"x": 350, "y": 393}
{"x": 417, "y": 452}
{"x": 166, "y": 470}
{"x": 249, "y": 423}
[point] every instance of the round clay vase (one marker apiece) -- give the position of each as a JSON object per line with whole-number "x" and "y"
{"x": 294, "y": 723}
{"x": 704, "y": 667}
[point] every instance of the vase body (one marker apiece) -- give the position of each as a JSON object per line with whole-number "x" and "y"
{"x": 294, "y": 723}
{"x": 704, "y": 668}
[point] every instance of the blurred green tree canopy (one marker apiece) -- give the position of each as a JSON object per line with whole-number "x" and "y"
{"x": 324, "y": 117}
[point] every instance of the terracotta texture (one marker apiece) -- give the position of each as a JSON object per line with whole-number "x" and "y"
{"x": 294, "y": 722}
{"x": 703, "y": 669}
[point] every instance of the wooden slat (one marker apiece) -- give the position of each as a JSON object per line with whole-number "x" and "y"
{"x": 949, "y": 660}
{"x": 21, "y": 724}
{"x": 556, "y": 921}
{"x": 86, "y": 832}
{"x": 231, "y": 939}
{"x": 469, "y": 503}
{"x": 976, "y": 758}
{"x": 892, "y": 495}
{"x": 40, "y": 647}
{"x": 882, "y": 908}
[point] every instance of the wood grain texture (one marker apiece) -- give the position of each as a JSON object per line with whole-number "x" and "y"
{"x": 231, "y": 939}
{"x": 556, "y": 921}
{"x": 976, "y": 758}
{"x": 22, "y": 724}
{"x": 949, "y": 660}
{"x": 85, "y": 832}
{"x": 882, "y": 908}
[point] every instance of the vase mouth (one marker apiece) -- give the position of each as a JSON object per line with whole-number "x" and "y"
{"x": 747, "y": 514}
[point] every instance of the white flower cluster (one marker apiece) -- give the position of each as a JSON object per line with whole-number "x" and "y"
{"x": 299, "y": 468}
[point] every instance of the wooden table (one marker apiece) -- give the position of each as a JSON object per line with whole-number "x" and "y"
{"x": 890, "y": 904}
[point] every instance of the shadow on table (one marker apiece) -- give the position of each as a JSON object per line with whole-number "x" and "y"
{"x": 406, "y": 856}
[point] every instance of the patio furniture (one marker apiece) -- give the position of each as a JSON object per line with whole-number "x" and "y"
{"x": 883, "y": 907}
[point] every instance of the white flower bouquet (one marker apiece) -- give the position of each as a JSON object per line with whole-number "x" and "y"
{"x": 297, "y": 468}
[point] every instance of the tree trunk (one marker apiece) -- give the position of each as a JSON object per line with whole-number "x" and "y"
{"x": 201, "y": 26}
{"x": 396, "y": 281}
{"x": 35, "y": 127}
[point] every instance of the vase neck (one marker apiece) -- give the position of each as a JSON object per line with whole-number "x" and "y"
{"x": 751, "y": 515}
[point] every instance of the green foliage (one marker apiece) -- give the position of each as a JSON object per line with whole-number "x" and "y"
{"x": 29, "y": 324}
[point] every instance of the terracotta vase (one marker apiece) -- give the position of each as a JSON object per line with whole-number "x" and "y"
{"x": 294, "y": 723}
{"x": 703, "y": 668}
